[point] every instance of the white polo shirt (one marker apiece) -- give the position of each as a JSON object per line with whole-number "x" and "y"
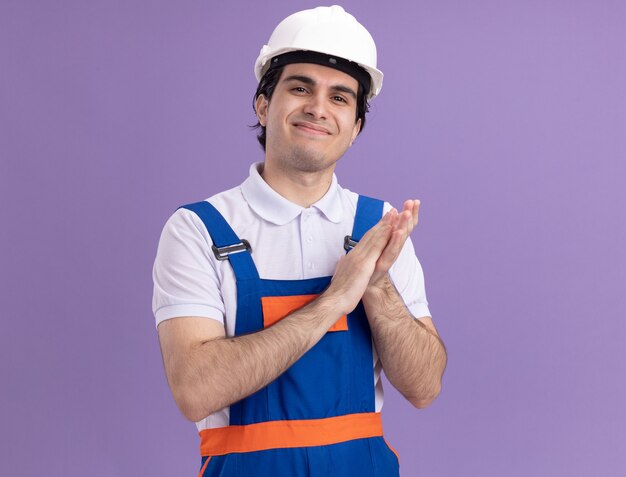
{"x": 289, "y": 242}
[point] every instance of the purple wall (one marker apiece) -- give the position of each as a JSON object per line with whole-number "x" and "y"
{"x": 508, "y": 120}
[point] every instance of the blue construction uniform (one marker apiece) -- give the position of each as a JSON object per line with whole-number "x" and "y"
{"x": 325, "y": 400}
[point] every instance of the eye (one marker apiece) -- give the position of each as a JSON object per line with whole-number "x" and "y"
{"x": 299, "y": 89}
{"x": 339, "y": 99}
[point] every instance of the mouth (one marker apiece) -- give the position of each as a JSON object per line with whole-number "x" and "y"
{"x": 311, "y": 128}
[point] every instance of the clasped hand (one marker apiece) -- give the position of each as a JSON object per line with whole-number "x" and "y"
{"x": 368, "y": 263}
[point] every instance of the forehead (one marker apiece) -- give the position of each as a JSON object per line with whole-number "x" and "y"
{"x": 323, "y": 75}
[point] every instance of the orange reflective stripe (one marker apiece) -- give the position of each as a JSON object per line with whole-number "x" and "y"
{"x": 206, "y": 463}
{"x": 275, "y": 308}
{"x": 285, "y": 434}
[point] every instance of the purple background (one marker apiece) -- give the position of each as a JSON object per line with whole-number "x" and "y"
{"x": 508, "y": 120}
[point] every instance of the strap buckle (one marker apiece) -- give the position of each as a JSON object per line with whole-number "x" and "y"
{"x": 348, "y": 243}
{"x": 222, "y": 253}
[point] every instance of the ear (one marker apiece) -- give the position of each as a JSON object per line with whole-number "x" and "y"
{"x": 260, "y": 106}
{"x": 355, "y": 130}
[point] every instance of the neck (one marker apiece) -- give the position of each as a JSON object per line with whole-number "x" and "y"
{"x": 300, "y": 187}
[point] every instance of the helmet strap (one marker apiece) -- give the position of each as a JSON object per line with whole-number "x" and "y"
{"x": 349, "y": 67}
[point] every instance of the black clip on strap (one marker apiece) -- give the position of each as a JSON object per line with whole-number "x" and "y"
{"x": 348, "y": 243}
{"x": 222, "y": 253}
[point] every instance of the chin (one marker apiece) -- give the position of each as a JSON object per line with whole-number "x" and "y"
{"x": 312, "y": 162}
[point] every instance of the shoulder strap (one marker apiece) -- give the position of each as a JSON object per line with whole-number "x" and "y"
{"x": 368, "y": 212}
{"x": 226, "y": 244}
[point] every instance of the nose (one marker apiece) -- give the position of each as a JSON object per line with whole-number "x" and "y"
{"x": 315, "y": 106}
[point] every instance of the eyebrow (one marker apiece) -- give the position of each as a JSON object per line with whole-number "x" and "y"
{"x": 311, "y": 82}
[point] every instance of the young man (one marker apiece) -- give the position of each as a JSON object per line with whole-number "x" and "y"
{"x": 273, "y": 337}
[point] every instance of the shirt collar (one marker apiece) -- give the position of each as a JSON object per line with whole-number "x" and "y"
{"x": 274, "y": 208}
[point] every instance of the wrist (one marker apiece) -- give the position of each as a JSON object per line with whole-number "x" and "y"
{"x": 383, "y": 302}
{"x": 379, "y": 289}
{"x": 332, "y": 305}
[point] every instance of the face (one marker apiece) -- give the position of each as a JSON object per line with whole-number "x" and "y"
{"x": 311, "y": 119}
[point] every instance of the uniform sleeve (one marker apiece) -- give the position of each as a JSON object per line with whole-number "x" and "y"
{"x": 185, "y": 274}
{"x": 408, "y": 277}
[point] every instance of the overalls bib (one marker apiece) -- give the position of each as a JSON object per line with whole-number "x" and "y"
{"x": 318, "y": 418}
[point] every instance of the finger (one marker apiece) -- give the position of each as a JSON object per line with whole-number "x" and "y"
{"x": 377, "y": 237}
{"x": 389, "y": 254}
{"x": 412, "y": 207}
{"x": 405, "y": 222}
{"x": 400, "y": 233}
{"x": 384, "y": 222}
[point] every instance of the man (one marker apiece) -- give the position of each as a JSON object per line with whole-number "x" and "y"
{"x": 273, "y": 337}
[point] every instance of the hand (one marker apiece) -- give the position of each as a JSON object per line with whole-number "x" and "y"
{"x": 354, "y": 270}
{"x": 402, "y": 225}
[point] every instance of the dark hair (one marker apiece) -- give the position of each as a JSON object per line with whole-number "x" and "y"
{"x": 268, "y": 84}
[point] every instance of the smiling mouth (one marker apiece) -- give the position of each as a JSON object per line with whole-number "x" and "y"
{"x": 312, "y": 129}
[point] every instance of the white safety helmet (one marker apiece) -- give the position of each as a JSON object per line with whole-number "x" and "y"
{"x": 331, "y": 31}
